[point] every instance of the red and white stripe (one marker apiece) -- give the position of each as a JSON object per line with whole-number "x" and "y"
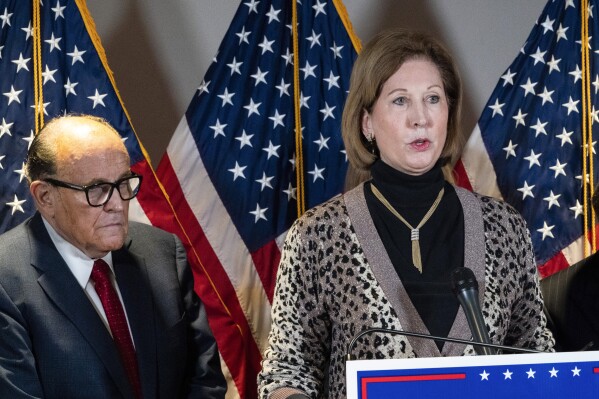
{"x": 235, "y": 285}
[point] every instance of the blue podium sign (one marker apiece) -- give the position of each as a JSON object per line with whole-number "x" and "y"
{"x": 543, "y": 375}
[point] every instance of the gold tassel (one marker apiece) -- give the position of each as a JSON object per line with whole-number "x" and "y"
{"x": 414, "y": 231}
{"x": 416, "y": 257}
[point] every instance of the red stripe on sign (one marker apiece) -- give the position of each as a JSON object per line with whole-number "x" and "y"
{"x": 407, "y": 378}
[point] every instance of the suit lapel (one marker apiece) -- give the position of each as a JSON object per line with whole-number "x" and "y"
{"x": 64, "y": 291}
{"x": 132, "y": 278}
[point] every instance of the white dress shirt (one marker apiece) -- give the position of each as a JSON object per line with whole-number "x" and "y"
{"x": 81, "y": 266}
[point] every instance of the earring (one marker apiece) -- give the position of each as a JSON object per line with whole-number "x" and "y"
{"x": 372, "y": 143}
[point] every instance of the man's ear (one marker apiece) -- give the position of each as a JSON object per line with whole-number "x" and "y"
{"x": 43, "y": 194}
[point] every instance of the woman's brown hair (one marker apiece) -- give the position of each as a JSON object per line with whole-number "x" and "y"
{"x": 381, "y": 58}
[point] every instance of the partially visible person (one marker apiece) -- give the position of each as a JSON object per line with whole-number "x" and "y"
{"x": 572, "y": 301}
{"x": 92, "y": 305}
{"x": 381, "y": 254}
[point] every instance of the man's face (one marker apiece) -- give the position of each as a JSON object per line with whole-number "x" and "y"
{"x": 93, "y": 155}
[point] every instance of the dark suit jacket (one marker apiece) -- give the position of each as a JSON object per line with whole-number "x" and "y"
{"x": 571, "y": 299}
{"x": 53, "y": 344}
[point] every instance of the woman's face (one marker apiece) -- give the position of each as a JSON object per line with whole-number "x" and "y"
{"x": 409, "y": 118}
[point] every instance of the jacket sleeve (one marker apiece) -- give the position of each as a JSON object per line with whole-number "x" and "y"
{"x": 294, "y": 362}
{"x": 528, "y": 323}
{"x": 18, "y": 375}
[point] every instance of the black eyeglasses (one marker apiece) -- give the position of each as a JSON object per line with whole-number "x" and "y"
{"x": 99, "y": 194}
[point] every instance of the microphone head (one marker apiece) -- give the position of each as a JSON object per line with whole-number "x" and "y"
{"x": 462, "y": 279}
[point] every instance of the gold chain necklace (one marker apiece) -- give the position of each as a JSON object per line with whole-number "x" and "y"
{"x": 415, "y": 231}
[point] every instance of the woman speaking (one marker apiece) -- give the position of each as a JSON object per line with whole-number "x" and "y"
{"x": 381, "y": 255}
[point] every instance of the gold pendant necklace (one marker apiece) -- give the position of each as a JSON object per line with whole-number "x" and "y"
{"x": 414, "y": 231}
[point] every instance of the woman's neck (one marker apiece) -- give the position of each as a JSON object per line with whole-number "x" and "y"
{"x": 403, "y": 190}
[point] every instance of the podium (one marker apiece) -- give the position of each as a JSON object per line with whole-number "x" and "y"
{"x": 539, "y": 375}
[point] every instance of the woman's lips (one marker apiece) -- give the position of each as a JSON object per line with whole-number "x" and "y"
{"x": 420, "y": 144}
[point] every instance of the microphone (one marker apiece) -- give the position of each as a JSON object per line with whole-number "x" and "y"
{"x": 465, "y": 287}
{"x": 390, "y": 331}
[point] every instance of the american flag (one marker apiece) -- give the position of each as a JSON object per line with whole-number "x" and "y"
{"x": 73, "y": 78}
{"x": 230, "y": 168}
{"x": 528, "y": 147}
{"x": 546, "y": 375}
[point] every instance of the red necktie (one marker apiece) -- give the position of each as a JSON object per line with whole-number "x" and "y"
{"x": 117, "y": 322}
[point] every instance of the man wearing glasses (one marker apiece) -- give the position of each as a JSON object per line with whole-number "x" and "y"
{"x": 90, "y": 304}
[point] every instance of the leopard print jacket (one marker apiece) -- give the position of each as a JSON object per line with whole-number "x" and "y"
{"x": 335, "y": 280}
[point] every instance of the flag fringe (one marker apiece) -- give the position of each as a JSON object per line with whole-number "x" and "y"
{"x": 344, "y": 16}
{"x": 38, "y": 92}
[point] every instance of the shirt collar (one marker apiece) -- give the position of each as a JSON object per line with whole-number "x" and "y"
{"x": 78, "y": 262}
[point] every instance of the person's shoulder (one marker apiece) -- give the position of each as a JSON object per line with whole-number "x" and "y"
{"x": 15, "y": 237}
{"x": 586, "y": 270}
{"x": 491, "y": 204}
{"x": 145, "y": 232}
{"x": 327, "y": 210}
{"x": 14, "y": 234}
{"x": 151, "y": 242}
{"x": 15, "y": 254}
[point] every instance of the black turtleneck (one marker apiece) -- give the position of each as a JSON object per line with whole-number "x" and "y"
{"x": 441, "y": 239}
